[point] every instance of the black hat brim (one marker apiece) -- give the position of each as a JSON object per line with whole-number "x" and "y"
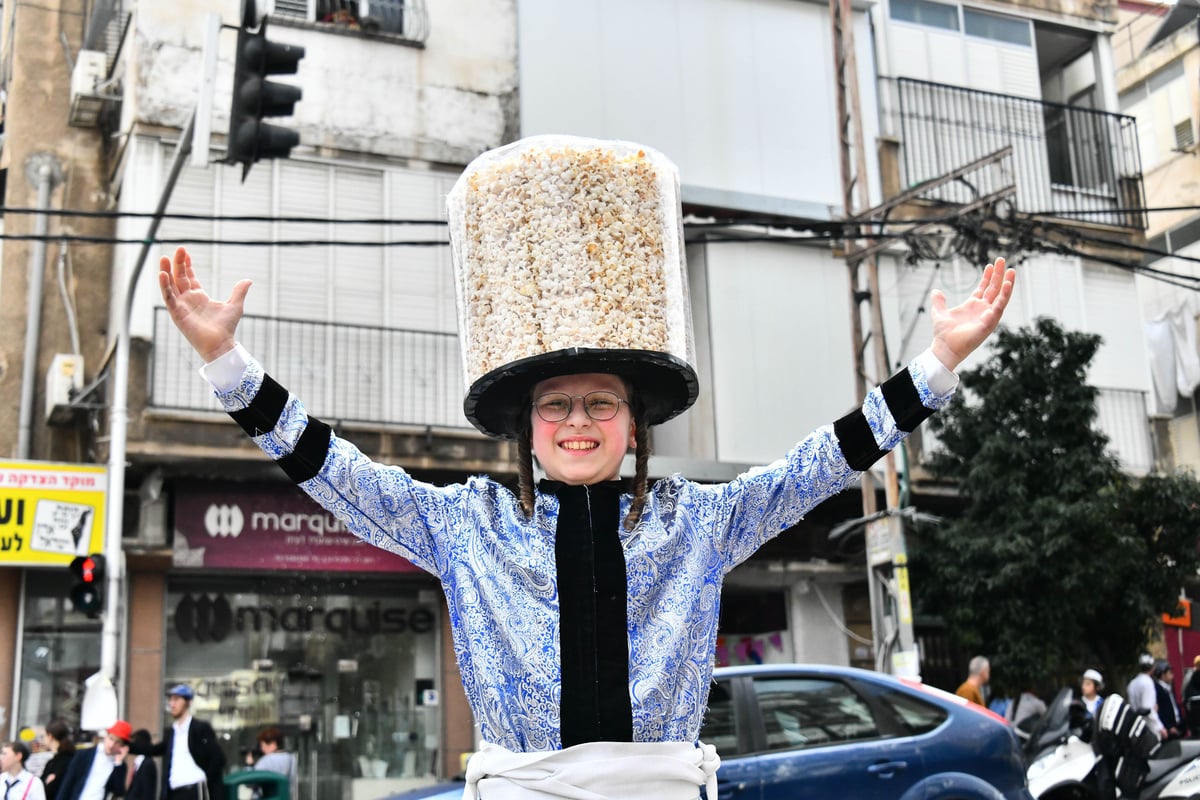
{"x": 665, "y": 385}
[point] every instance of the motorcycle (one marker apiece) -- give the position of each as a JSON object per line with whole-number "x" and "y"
{"x": 1115, "y": 755}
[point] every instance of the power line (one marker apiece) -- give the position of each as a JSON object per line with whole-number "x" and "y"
{"x": 107, "y": 240}
{"x": 1092, "y": 238}
{"x": 1090, "y": 211}
{"x": 65, "y": 212}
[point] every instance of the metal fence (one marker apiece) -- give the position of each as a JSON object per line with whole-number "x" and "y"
{"x": 1068, "y": 159}
{"x": 344, "y": 373}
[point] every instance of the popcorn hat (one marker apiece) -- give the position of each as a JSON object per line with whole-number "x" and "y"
{"x": 568, "y": 258}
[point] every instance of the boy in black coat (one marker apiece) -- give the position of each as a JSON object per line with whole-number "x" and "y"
{"x": 198, "y": 774}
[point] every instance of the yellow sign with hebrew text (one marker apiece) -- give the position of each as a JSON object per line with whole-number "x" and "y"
{"x": 50, "y": 512}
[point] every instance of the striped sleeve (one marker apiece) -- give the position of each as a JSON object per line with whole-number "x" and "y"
{"x": 380, "y": 504}
{"x": 763, "y": 502}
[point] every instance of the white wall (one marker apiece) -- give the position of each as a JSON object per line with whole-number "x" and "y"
{"x": 444, "y": 102}
{"x": 779, "y": 335}
{"x": 817, "y": 635}
{"x": 739, "y": 93}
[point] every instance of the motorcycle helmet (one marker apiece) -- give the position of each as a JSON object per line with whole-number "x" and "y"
{"x": 1095, "y": 677}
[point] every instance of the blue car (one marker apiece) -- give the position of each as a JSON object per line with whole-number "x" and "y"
{"x": 820, "y": 732}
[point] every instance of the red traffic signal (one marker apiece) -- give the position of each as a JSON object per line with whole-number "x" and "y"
{"x": 87, "y": 595}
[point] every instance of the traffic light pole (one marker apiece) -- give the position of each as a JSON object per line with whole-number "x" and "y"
{"x": 119, "y": 424}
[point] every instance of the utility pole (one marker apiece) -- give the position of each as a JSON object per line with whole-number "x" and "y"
{"x": 887, "y": 559}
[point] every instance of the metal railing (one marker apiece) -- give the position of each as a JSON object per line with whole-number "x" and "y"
{"x": 343, "y": 373}
{"x": 1121, "y": 416}
{"x": 1067, "y": 158}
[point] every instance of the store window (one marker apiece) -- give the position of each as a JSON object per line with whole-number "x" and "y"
{"x": 345, "y": 668}
{"x": 60, "y": 649}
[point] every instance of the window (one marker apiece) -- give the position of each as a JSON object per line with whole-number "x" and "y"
{"x": 720, "y": 721}
{"x": 60, "y": 649}
{"x": 915, "y": 715}
{"x": 1162, "y": 108}
{"x": 926, "y": 12}
{"x": 996, "y": 27}
{"x": 810, "y": 712}
{"x": 1184, "y": 136}
{"x": 398, "y": 17}
{"x": 346, "y": 668}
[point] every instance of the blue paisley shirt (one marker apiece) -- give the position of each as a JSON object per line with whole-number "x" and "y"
{"x": 498, "y": 569}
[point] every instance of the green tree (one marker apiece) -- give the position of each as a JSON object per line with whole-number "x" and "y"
{"x": 1059, "y": 561}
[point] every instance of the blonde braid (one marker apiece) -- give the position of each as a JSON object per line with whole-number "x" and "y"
{"x": 641, "y": 437}
{"x": 525, "y": 473}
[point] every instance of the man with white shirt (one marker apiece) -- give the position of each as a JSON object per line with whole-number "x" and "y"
{"x": 193, "y": 761}
{"x": 19, "y": 783}
{"x": 1142, "y": 697}
{"x": 95, "y": 774}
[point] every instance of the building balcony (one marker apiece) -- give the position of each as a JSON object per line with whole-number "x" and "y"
{"x": 345, "y": 373}
{"x": 1068, "y": 161}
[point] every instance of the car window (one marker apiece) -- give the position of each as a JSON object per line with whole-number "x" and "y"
{"x": 809, "y": 712}
{"x": 719, "y": 728}
{"x": 913, "y": 713}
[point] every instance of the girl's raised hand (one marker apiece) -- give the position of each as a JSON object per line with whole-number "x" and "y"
{"x": 958, "y": 331}
{"x": 209, "y": 325}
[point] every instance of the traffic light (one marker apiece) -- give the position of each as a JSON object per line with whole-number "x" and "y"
{"x": 87, "y": 595}
{"x": 255, "y": 97}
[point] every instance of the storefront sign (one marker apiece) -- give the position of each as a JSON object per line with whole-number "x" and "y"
{"x": 211, "y": 618}
{"x": 268, "y": 527}
{"x": 50, "y": 512}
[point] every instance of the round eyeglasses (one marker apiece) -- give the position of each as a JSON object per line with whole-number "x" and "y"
{"x": 557, "y": 406}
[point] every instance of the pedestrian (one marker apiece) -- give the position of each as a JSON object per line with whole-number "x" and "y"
{"x": 19, "y": 783}
{"x": 979, "y": 672}
{"x": 276, "y": 759}
{"x": 1142, "y": 695}
{"x": 1169, "y": 712}
{"x": 193, "y": 761}
{"x": 58, "y": 738}
{"x": 1027, "y": 705}
{"x": 542, "y": 583}
{"x": 100, "y": 773}
{"x": 1191, "y": 693}
{"x": 1089, "y": 687}
{"x": 142, "y": 781}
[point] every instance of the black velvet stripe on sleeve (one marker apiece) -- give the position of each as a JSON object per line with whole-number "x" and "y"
{"x": 903, "y": 400}
{"x": 262, "y": 415}
{"x": 857, "y": 441}
{"x": 306, "y": 460}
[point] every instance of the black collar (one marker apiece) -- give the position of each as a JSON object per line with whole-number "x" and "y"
{"x": 619, "y": 486}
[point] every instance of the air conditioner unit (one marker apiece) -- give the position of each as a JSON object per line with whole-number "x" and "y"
{"x": 91, "y": 68}
{"x": 64, "y": 378}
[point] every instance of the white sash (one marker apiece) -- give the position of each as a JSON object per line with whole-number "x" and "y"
{"x": 594, "y": 771}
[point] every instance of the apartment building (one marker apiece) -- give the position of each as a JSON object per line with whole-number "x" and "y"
{"x": 1157, "y": 49}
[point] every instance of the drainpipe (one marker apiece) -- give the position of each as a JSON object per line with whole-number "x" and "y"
{"x": 44, "y": 171}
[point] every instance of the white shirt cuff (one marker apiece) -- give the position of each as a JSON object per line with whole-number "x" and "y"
{"x": 940, "y": 379}
{"x": 225, "y": 371}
